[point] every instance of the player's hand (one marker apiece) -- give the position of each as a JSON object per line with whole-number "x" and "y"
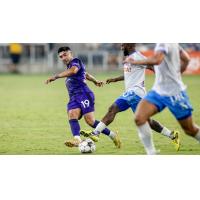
{"x": 110, "y": 80}
{"x": 128, "y": 60}
{"x": 49, "y": 80}
{"x": 99, "y": 83}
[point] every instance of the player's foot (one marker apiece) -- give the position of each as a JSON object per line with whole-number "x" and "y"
{"x": 116, "y": 140}
{"x": 153, "y": 152}
{"x": 176, "y": 140}
{"x": 72, "y": 143}
{"x": 90, "y": 134}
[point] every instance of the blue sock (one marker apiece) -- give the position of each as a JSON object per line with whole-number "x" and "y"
{"x": 106, "y": 131}
{"x": 75, "y": 127}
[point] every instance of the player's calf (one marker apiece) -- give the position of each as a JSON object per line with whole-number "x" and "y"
{"x": 194, "y": 132}
{"x": 190, "y": 128}
{"x": 159, "y": 128}
{"x": 110, "y": 116}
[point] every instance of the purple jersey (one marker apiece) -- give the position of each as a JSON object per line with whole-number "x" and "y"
{"x": 76, "y": 84}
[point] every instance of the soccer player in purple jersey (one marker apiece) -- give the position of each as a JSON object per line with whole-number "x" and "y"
{"x": 81, "y": 98}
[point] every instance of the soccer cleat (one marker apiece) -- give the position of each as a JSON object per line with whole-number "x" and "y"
{"x": 72, "y": 143}
{"x": 90, "y": 134}
{"x": 116, "y": 140}
{"x": 176, "y": 140}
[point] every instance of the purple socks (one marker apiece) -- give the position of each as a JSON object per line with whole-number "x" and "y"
{"x": 75, "y": 127}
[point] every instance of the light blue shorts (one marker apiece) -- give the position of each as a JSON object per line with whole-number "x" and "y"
{"x": 128, "y": 100}
{"x": 179, "y": 105}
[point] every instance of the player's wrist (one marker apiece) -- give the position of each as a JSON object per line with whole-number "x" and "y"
{"x": 95, "y": 81}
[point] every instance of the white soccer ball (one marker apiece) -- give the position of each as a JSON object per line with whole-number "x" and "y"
{"x": 87, "y": 146}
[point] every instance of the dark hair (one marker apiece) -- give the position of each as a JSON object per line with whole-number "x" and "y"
{"x": 128, "y": 48}
{"x": 61, "y": 49}
{"x": 129, "y": 44}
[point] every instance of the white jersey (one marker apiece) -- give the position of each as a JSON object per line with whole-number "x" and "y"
{"x": 134, "y": 75}
{"x": 168, "y": 80}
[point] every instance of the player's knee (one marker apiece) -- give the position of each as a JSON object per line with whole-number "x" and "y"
{"x": 73, "y": 115}
{"x": 139, "y": 120}
{"x": 110, "y": 115}
{"x": 89, "y": 121}
{"x": 113, "y": 110}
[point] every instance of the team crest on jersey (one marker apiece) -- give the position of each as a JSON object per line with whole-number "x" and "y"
{"x": 127, "y": 68}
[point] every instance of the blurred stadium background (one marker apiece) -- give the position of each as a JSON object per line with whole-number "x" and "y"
{"x": 42, "y": 57}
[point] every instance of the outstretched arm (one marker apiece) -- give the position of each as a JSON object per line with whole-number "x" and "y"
{"x": 185, "y": 59}
{"x": 154, "y": 60}
{"x": 151, "y": 67}
{"x": 112, "y": 80}
{"x": 67, "y": 73}
{"x": 91, "y": 78}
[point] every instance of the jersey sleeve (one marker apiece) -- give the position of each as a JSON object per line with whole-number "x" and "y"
{"x": 76, "y": 63}
{"x": 139, "y": 56}
{"x": 161, "y": 47}
{"x": 180, "y": 48}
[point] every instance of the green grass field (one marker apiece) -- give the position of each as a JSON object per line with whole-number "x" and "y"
{"x": 33, "y": 119}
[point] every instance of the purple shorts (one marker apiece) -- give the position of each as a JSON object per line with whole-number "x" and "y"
{"x": 84, "y": 101}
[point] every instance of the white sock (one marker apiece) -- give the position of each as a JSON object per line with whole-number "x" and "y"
{"x": 167, "y": 132}
{"x": 112, "y": 135}
{"x": 77, "y": 137}
{"x": 145, "y": 135}
{"x": 100, "y": 127}
{"x": 197, "y": 136}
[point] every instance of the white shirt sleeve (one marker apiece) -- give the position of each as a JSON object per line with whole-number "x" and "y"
{"x": 180, "y": 48}
{"x": 161, "y": 47}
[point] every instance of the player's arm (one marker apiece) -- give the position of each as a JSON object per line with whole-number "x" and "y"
{"x": 69, "y": 72}
{"x": 151, "y": 67}
{"x": 113, "y": 80}
{"x": 185, "y": 59}
{"x": 154, "y": 60}
{"x": 91, "y": 78}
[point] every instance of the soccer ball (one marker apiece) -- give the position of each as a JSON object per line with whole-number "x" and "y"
{"x": 87, "y": 146}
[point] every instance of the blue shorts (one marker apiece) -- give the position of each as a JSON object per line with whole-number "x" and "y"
{"x": 179, "y": 105}
{"x": 84, "y": 101}
{"x": 128, "y": 100}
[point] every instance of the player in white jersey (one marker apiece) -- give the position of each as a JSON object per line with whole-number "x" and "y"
{"x": 169, "y": 61}
{"x": 134, "y": 77}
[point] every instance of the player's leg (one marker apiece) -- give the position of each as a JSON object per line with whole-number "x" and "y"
{"x": 73, "y": 116}
{"x": 90, "y": 120}
{"x": 107, "y": 119}
{"x": 143, "y": 113}
{"x": 173, "y": 135}
{"x": 190, "y": 128}
{"x": 181, "y": 108}
{"x": 149, "y": 106}
{"x": 118, "y": 106}
{"x": 159, "y": 128}
{"x": 156, "y": 126}
{"x": 111, "y": 114}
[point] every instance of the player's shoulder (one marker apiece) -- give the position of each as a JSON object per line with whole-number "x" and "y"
{"x": 137, "y": 55}
{"x": 76, "y": 60}
{"x": 162, "y": 47}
